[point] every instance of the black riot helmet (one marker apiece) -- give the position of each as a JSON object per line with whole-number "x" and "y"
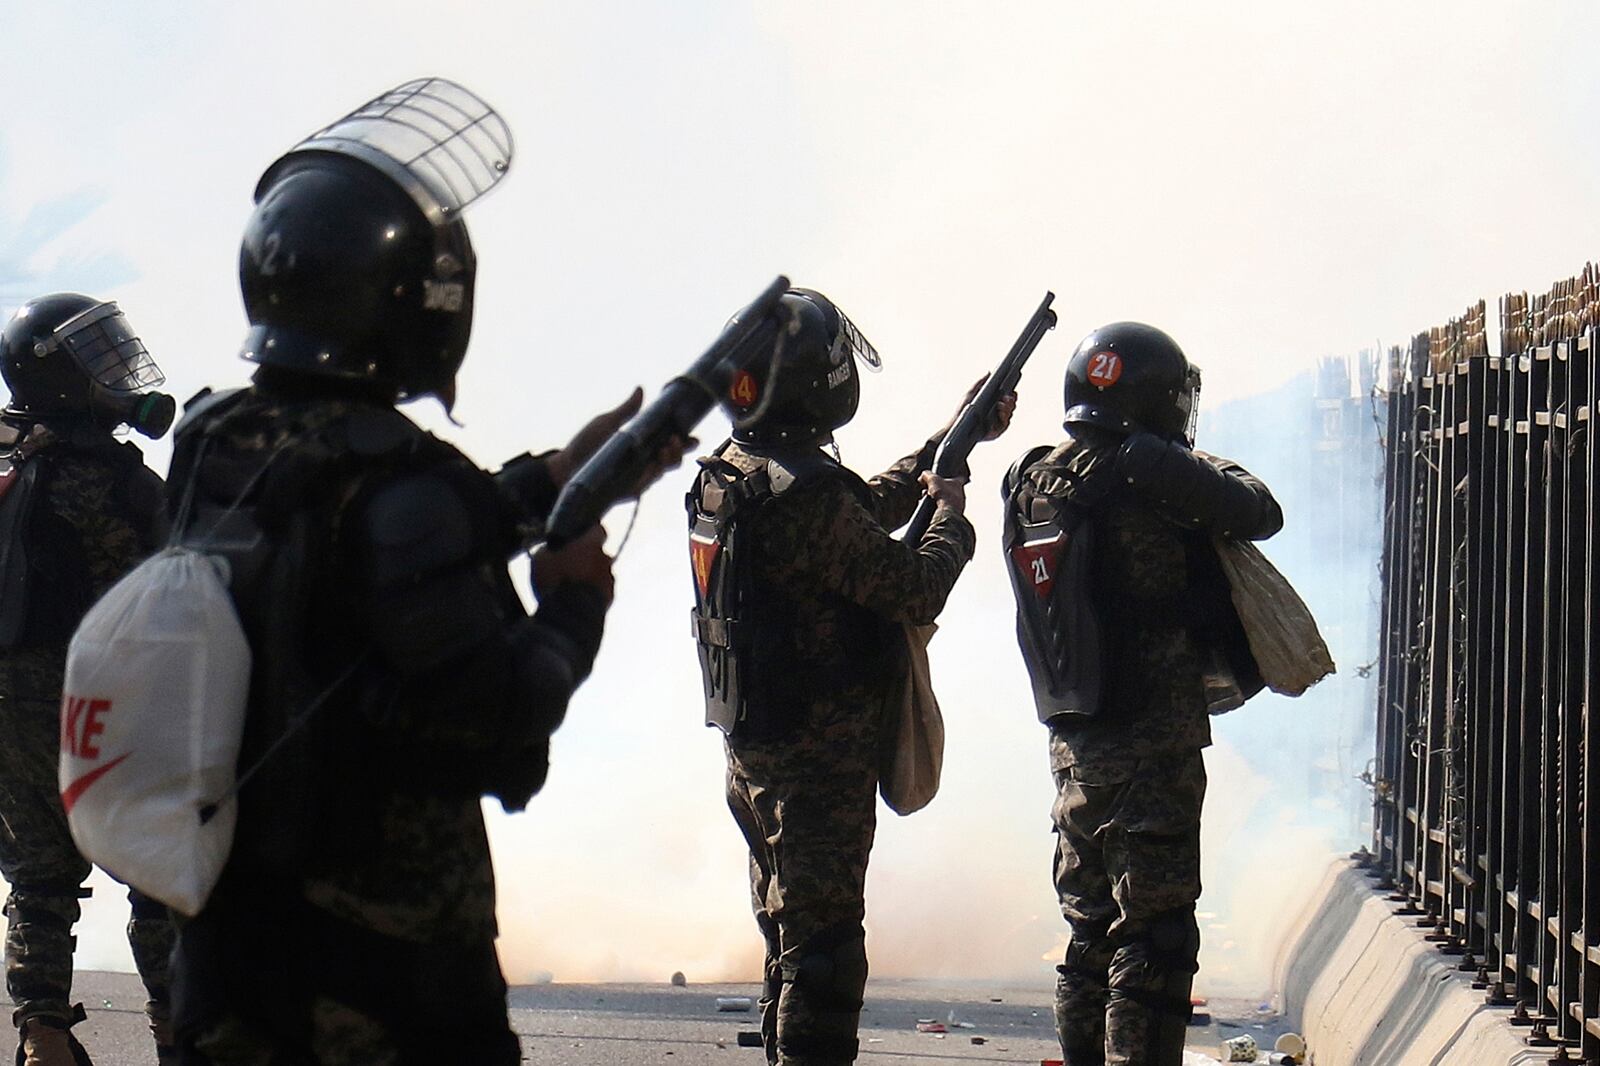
{"x": 1127, "y": 377}
{"x": 69, "y": 358}
{"x": 810, "y": 387}
{"x": 356, "y": 262}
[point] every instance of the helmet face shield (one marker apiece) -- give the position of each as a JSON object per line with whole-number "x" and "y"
{"x": 356, "y": 262}
{"x": 102, "y": 342}
{"x": 433, "y": 138}
{"x": 851, "y": 339}
{"x": 1188, "y": 403}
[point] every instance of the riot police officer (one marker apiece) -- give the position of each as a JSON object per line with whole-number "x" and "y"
{"x": 1129, "y": 635}
{"x": 397, "y": 679}
{"x": 801, "y": 595}
{"x": 78, "y": 509}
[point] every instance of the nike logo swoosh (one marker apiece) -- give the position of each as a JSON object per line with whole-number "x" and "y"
{"x": 75, "y": 790}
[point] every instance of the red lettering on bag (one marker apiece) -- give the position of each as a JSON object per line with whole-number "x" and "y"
{"x": 82, "y": 719}
{"x": 71, "y": 707}
{"x": 93, "y": 724}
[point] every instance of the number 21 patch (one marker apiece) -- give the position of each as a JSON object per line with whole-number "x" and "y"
{"x": 1104, "y": 368}
{"x": 1036, "y": 563}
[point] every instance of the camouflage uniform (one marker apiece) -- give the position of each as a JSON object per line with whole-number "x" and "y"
{"x": 95, "y": 514}
{"x": 1130, "y": 779}
{"x": 355, "y": 922}
{"x": 802, "y": 783}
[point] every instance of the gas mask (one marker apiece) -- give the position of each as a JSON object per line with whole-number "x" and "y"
{"x": 149, "y": 414}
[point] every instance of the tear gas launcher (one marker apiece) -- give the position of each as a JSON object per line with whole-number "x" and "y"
{"x": 970, "y": 426}
{"x": 612, "y": 473}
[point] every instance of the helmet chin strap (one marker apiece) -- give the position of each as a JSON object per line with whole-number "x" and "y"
{"x": 446, "y": 395}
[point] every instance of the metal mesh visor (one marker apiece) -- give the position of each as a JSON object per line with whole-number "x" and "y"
{"x": 104, "y": 346}
{"x": 443, "y": 144}
{"x": 1188, "y": 402}
{"x": 849, "y": 338}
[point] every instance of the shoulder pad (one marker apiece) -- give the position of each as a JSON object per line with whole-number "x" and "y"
{"x": 1014, "y": 476}
{"x": 373, "y": 432}
{"x": 203, "y": 406}
{"x": 783, "y": 473}
{"x": 417, "y": 525}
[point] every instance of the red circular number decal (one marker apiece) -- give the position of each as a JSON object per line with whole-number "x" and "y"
{"x": 743, "y": 390}
{"x": 1104, "y": 368}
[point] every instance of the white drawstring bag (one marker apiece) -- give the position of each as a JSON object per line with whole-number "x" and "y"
{"x": 157, "y": 684}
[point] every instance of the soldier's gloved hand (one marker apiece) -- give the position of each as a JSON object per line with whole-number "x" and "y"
{"x": 564, "y": 463}
{"x": 1003, "y": 411}
{"x": 1001, "y": 421}
{"x": 946, "y": 491}
{"x": 583, "y": 561}
{"x": 668, "y": 457}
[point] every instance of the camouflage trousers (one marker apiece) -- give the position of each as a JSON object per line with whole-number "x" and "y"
{"x": 1127, "y": 871}
{"x": 807, "y": 806}
{"x": 43, "y": 866}
{"x": 264, "y": 978}
{"x": 341, "y": 1035}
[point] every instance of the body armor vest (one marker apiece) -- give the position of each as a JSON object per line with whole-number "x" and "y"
{"x": 1049, "y": 548}
{"x": 754, "y": 682}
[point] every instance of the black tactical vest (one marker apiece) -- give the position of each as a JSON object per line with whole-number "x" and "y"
{"x": 1049, "y": 548}
{"x": 755, "y": 684}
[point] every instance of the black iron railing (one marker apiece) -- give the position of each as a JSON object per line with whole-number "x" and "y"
{"x": 1487, "y": 780}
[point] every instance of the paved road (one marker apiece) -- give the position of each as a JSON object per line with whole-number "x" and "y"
{"x": 603, "y": 1025}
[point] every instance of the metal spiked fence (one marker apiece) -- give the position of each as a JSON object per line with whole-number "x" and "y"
{"x": 1487, "y": 778}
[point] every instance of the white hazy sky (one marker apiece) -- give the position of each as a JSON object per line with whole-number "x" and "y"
{"x": 1269, "y": 182}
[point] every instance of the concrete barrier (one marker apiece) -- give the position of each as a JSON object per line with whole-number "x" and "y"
{"x": 1366, "y": 989}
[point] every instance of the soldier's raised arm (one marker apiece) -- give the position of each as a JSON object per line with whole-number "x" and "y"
{"x": 827, "y": 539}
{"x": 1198, "y": 490}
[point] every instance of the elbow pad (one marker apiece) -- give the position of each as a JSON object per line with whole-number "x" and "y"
{"x": 1195, "y": 492}
{"x": 430, "y": 601}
